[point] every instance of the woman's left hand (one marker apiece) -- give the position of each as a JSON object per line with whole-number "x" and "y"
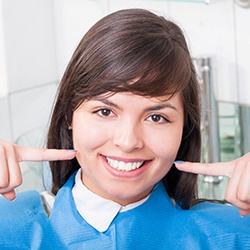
{"x": 238, "y": 170}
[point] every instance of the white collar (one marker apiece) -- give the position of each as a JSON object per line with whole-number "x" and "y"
{"x": 97, "y": 211}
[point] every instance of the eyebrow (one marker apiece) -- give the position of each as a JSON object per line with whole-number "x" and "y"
{"x": 151, "y": 108}
{"x": 161, "y": 106}
{"x": 107, "y": 102}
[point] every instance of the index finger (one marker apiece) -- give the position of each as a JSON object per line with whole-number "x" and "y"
{"x": 43, "y": 154}
{"x": 214, "y": 169}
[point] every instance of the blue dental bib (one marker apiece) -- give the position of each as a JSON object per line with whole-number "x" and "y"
{"x": 156, "y": 224}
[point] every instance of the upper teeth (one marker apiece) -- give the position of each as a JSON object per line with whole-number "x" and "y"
{"x": 124, "y": 166}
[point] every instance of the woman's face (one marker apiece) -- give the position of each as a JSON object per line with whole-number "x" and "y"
{"x": 126, "y": 143}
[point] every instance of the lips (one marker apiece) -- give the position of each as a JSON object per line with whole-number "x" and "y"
{"x": 124, "y": 166}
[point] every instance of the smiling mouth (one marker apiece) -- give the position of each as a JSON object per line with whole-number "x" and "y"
{"x": 124, "y": 166}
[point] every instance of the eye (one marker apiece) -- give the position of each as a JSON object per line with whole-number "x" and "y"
{"x": 158, "y": 118}
{"x": 104, "y": 112}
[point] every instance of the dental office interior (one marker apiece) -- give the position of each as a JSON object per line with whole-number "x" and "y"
{"x": 38, "y": 37}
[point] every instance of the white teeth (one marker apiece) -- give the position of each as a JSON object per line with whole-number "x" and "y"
{"x": 123, "y": 166}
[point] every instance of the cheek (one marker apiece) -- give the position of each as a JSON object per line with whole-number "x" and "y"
{"x": 87, "y": 135}
{"x": 85, "y": 139}
{"x": 166, "y": 145}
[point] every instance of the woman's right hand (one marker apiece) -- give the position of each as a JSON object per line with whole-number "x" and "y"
{"x": 10, "y": 157}
{"x": 238, "y": 189}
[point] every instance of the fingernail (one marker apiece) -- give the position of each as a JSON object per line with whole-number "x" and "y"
{"x": 178, "y": 162}
{"x": 72, "y": 150}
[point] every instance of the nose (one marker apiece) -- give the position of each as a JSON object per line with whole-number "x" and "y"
{"x": 127, "y": 135}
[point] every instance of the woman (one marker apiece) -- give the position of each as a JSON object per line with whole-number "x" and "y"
{"x": 129, "y": 105}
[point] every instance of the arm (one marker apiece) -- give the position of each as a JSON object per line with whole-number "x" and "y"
{"x": 12, "y": 154}
{"x": 238, "y": 170}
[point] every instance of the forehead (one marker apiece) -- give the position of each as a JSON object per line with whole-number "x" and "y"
{"x": 131, "y": 99}
{"x": 127, "y": 94}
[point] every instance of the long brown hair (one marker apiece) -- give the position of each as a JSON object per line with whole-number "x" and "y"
{"x": 123, "y": 46}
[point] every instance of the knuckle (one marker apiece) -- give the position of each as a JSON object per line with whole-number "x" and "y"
{"x": 246, "y": 157}
{"x": 4, "y": 183}
{"x": 229, "y": 197}
{"x": 10, "y": 185}
{"x": 248, "y": 165}
{"x": 243, "y": 197}
{"x": 7, "y": 145}
{"x": 17, "y": 181}
{"x": 43, "y": 153}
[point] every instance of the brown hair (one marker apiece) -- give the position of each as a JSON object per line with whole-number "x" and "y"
{"x": 121, "y": 47}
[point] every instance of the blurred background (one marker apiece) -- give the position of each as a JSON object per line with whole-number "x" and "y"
{"x": 38, "y": 37}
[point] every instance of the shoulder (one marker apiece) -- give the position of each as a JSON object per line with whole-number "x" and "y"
{"x": 24, "y": 202}
{"x": 222, "y": 225}
{"x": 223, "y": 216}
{"x": 212, "y": 207}
{"x": 25, "y": 209}
{"x": 25, "y": 224}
